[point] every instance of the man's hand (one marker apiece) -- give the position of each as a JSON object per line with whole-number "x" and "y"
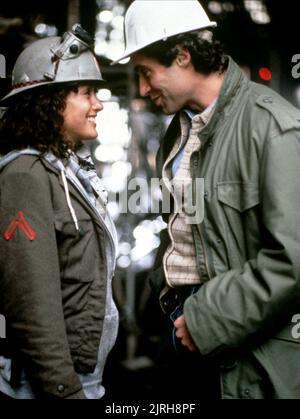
{"x": 183, "y": 334}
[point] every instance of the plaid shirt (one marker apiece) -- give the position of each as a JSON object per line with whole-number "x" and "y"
{"x": 180, "y": 258}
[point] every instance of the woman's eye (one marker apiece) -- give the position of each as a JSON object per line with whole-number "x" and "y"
{"x": 89, "y": 92}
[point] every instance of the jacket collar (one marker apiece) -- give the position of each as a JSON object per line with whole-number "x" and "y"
{"x": 234, "y": 81}
{"x": 75, "y": 192}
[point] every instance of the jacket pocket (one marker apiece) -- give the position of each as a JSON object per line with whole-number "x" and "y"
{"x": 279, "y": 356}
{"x": 77, "y": 249}
{"x": 237, "y": 209}
{"x": 237, "y": 195}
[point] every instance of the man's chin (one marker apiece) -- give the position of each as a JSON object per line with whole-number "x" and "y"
{"x": 168, "y": 112}
{"x": 164, "y": 109}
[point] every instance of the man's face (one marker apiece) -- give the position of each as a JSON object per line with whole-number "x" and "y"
{"x": 167, "y": 87}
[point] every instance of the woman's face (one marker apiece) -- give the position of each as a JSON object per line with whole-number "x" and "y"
{"x": 80, "y": 114}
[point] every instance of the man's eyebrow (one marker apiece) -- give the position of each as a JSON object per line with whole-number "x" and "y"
{"x": 139, "y": 68}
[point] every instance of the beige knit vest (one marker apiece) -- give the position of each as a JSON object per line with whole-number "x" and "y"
{"x": 180, "y": 258}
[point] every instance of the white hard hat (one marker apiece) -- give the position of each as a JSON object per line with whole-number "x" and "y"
{"x": 149, "y": 21}
{"x": 55, "y": 60}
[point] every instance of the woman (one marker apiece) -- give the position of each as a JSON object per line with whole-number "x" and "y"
{"x": 57, "y": 250}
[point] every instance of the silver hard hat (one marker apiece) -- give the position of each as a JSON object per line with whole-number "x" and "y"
{"x": 55, "y": 60}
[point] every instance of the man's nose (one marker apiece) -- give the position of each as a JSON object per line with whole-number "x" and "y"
{"x": 144, "y": 87}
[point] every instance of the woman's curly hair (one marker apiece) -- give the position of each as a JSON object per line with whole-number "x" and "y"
{"x": 207, "y": 53}
{"x": 35, "y": 120}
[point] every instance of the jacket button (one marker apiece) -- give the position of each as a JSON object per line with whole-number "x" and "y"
{"x": 61, "y": 388}
{"x": 268, "y": 100}
{"x": 247, "y": 392}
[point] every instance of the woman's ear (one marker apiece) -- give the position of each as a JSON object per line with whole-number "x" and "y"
{"x": 183, "y": 58}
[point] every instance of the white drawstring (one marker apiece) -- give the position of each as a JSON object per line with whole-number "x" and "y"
{"x": 72, "y": 211}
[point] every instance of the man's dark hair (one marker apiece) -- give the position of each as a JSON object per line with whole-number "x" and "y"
{"x": 35, "y": 120}
{"x": 207, "y": 54}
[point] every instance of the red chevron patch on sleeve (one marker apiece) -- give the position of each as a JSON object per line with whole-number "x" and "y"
{"x": 19, "y": 222}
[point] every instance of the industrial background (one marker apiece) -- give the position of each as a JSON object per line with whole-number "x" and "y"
{"x": 261, "y": 35}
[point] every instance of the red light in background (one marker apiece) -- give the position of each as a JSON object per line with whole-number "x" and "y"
{"x": 265, "y": 73}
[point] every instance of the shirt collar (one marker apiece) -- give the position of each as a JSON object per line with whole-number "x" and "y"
{"x": 189, "y": 113}
{"x": 204, "y": 115}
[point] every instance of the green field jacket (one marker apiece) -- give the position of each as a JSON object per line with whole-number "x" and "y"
{"x": 53, "y": 278}
{"x": 248, "y": 245}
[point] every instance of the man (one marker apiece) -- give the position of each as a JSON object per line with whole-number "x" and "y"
{"x": 231, "y": 282}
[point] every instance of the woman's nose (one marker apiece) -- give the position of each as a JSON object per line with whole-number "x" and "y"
{"x": 97, "y": 104}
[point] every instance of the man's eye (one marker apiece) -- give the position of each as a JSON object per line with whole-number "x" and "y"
{"x": 143, "y": 73}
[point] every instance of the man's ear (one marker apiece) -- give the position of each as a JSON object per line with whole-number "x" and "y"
{"x": 183, "y": 58}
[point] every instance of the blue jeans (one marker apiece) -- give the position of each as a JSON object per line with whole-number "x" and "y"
{"x": 177, "y": 312}
{"x": 177, "y": 342}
